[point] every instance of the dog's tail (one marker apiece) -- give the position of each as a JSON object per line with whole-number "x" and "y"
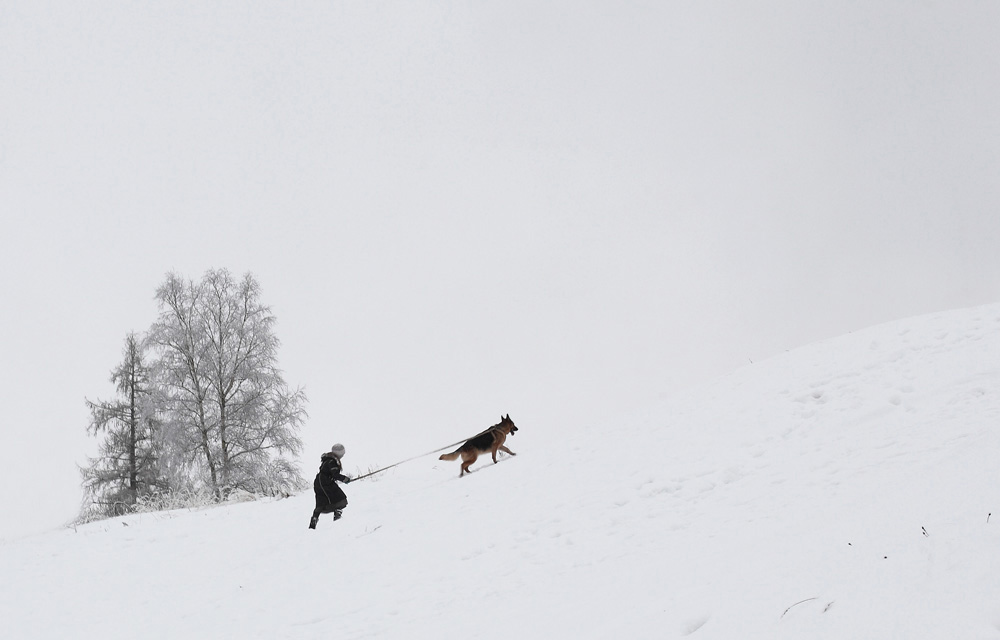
{"x": 451, "y": 456}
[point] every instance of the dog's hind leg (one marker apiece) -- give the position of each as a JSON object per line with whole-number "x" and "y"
{"x": 467, "y": 461}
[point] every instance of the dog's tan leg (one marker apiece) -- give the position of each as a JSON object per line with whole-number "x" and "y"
{"x": 507, "y": 451}
{"x": 466, "y": 463}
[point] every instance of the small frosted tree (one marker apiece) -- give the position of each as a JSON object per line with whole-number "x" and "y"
{"x": 127, "y": 465}
{"x": 228, "y": 410}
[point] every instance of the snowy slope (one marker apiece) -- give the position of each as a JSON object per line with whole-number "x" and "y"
{"x": 841, "y": 490}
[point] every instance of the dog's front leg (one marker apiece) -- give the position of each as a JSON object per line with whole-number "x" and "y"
{"x": 507, "y": 451}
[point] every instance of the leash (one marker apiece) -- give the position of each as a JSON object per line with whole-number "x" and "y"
{"x": 371, "y": 473}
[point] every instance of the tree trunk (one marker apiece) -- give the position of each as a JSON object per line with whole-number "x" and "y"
{"x": 133, "y": 480}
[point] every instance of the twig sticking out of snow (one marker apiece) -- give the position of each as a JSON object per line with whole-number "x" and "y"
{"x": 797, "y": 604}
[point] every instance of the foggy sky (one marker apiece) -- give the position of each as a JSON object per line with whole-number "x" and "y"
{"x": 458, "y": 210}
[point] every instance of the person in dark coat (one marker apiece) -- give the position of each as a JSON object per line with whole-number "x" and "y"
{"x": 329, "y": 496}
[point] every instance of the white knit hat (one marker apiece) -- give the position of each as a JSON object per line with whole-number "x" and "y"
{"x": 338, "y": 450}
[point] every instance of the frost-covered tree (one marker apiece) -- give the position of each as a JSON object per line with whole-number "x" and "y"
{"x": 231, "y": 417}
{"x": 179, "y": 340}
{"x": 128, "y": 463}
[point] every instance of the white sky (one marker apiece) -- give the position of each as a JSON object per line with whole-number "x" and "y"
{"x": 461, "y": 209}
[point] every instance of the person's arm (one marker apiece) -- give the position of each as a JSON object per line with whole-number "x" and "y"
{"x": 335, "y": 472}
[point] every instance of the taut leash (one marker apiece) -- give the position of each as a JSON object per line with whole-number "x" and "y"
{"x": 371, "y": 473}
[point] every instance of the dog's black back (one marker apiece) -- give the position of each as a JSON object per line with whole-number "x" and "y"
{"x": 484, "y": 441}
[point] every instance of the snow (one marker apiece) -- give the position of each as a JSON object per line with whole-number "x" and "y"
{"x": 847, "y": 489}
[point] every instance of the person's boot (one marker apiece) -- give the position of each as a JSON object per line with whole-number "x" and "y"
{"x": 337, "y": 514}
{"x": 313, "y": 521}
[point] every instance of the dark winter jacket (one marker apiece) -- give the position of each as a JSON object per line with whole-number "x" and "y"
{"x": 329, "y": 495}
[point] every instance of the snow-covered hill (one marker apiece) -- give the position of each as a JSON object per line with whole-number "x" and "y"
{"x": 841, "y": 490}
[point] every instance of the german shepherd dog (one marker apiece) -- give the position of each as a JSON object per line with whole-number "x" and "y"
{"x": 490, "y": 440}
